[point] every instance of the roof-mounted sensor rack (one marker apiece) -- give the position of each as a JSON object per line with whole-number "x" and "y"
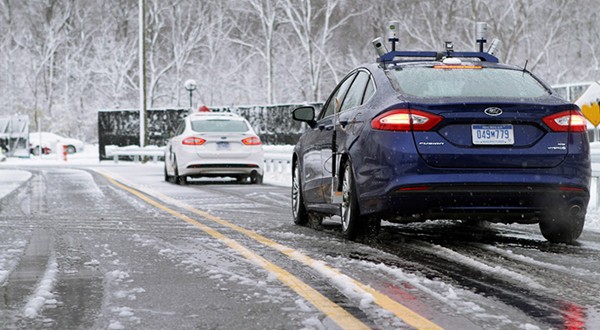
{"x": 394, "y": 56}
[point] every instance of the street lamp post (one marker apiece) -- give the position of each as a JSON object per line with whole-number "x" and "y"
{"x": 190, "y": 86}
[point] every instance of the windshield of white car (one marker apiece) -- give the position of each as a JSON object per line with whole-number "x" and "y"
{"x": 459, "y": 82}
{"x": 219, "y": 125}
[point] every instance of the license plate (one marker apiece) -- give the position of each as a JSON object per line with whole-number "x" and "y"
{"x": 493, "y": 134}
{"x": 222, "y": 145}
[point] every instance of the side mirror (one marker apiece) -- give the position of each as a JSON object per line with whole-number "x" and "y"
{"x": 305, "y": 114}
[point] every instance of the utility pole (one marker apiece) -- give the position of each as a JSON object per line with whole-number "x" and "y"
{"x": 142, "y": 64}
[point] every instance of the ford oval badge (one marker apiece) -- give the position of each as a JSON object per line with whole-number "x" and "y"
{"x": 493, "y": 111}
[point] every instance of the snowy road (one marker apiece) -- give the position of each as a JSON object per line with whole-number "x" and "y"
{"x": 116, "y": 247}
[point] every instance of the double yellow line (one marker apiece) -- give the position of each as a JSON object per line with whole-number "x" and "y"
{"x": 332, "y": 310}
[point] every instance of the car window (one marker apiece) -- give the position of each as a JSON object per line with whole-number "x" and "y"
{"x": 337, "y": 97}
{"x": 219, "y": 125}
{"x": 479, "y": 82}
{"x": 357, "y": 90}
{"x": 369, "y": 91}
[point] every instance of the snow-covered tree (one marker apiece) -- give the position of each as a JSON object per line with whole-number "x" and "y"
{"x": 62, "y": 60}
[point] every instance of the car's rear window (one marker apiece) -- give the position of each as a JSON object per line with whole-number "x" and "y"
{"x": 479, "y": 82}
{"x": 219, "y": 125}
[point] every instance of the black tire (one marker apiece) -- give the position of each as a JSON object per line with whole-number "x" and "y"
{"x": 299, "y": 212}
{"x": 71, "y": 149}
{"x": 179, "y": 179}
{"x": 167, "y": 176}
{"x": 561, "y": 226}
{"x": 256, "y": 178}
{"x": 353, "y": 224}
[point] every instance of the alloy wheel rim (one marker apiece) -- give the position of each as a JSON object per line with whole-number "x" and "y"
{"x": 346, "y": 199}
{"x": 295, "y": 191}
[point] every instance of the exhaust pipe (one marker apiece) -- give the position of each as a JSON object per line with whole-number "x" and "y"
{"x": 575, "y": 210}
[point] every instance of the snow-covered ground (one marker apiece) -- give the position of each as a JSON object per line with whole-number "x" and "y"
{"x": 275, "y": 174}
{"x": 12, "y": 175}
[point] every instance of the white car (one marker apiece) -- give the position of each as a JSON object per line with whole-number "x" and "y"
{"x": 214, "y": 144}
{"x": 50, "y": 142}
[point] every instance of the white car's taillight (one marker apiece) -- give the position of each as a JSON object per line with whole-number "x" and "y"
{"x": 193, "y": 141}
{"x": 252, "y": 141}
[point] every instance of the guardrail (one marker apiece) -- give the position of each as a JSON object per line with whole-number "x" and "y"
{"x": 134, "y": 151}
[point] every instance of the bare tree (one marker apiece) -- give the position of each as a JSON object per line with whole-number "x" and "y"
{"x": 314, "y": 24}
{"x": 67, "y": 58}
{"x": 256, "y": 23}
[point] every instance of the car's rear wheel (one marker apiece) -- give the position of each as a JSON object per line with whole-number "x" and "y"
{"x": 256, "y": 178}
{"x": 71, "y": 149}
{"x": 179, "y": 179}
{"x": 563, "y": 225}
{"x": 298, "y": 209}
{"x": 353, "y": 224}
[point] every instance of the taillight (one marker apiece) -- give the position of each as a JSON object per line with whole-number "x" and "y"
{"x": 566, "y": 121}
{"x": 193, "y": 141}
{"x": 252, "y": 141}
{"x": 405, "y": 120}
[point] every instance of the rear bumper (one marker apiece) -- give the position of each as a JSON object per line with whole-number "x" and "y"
{"x": 394, "y": 181}
{"x": 221, "y": 169}
{"x": 494, "y": 202}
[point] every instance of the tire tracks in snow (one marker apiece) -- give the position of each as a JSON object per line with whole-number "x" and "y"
{"x": 36, "y": 291}
{"x": 555, "y": 292}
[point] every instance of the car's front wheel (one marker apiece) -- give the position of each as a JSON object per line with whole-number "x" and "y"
{"x": 563, "y": 225}
{"x": 353, "y": 224}
{"x": 167, "y": 176}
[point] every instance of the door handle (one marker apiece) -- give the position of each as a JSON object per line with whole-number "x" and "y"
{"x": 326, "y": 127}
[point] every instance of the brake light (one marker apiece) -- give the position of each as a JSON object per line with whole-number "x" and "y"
{"x": 457, "y": 67}
{"x": 405, "y": 120}
{"x": 252, "y": 141}
{"x": 193, "y": 141}
{"x": 566, "y": 121}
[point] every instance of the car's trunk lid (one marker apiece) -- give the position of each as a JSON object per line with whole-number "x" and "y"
{"x": 491, "y": 135}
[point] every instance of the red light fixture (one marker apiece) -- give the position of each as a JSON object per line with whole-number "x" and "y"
{"x": 415, "y": 188}
{"x": 252, "y": 141}
{"x": 193, "y": 141}
{"x": 566, "y": 121}
{"x": 570, "y": 189}
{"x": 405, "y": 120}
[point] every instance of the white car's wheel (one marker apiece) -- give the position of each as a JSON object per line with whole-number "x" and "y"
{"x": 179, "y": 179}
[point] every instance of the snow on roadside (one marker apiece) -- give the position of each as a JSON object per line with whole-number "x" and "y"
{"x": 11, "y": 180}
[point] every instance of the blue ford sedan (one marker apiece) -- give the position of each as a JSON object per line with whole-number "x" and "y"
{"x": 458, "y": 136}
